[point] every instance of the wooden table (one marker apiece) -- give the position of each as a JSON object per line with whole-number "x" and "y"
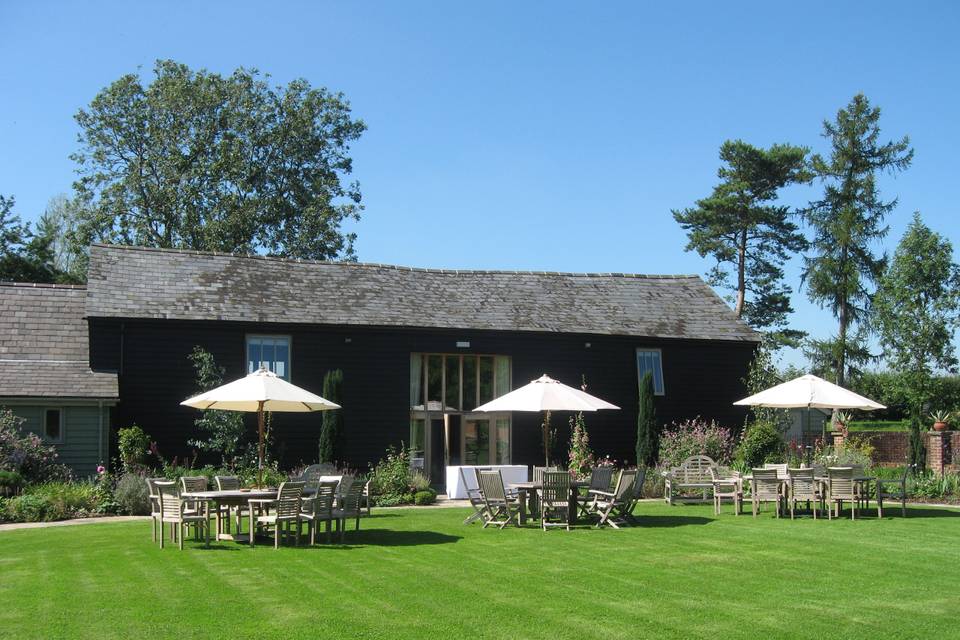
{"x": 232, "y": 498}
{"x": 527, "y": 491}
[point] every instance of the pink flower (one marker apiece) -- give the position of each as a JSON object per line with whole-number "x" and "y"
{"x": 101, "y": 469}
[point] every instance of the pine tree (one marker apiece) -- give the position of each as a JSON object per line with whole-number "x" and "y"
{"x": 846, "y": 222}
{"x": 749, "y": 236}
{"x": 648, "y": 436}
{"x": 330, "y": 432}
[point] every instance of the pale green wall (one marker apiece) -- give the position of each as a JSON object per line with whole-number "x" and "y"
{"x": 80, "y": 449}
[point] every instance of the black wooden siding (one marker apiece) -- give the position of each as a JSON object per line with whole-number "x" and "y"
{"x": 700, "y": 377}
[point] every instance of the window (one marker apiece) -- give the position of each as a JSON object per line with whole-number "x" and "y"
{"x": 650, "y": 360}
{"x": 53, "y": 425}
{"x": 455, "y": 383}
{"x": 272, "y": 352}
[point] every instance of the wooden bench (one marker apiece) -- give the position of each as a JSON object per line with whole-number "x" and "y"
{"x": 693, "y": 473}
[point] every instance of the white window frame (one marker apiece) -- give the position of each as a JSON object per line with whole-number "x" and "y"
{"x": 663, "y": 381}
{"x": 273, "y": 336}
{"x": 63, "y": 425}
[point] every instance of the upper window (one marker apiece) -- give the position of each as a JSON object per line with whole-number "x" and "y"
{"x": 272, "y": 352}
{"x": 456, "y": 383}
{"x": 650, "y": 360}
{"x": 53, "y": 425}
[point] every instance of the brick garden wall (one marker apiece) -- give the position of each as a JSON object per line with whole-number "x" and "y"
{"x": 891, "y": 448}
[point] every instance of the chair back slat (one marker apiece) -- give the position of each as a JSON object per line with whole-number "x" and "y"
{"x": 288, "y": 499}
{"x": 471, "y": 483}
{"x": 322, "y": 501}
{"x": 556, "y": 488}
{"x": 841, "y": 483}
{"x": 766, "y": 484}
{"x": 227, "y": 483}
{"x": 625, "y": 485}
{"x": 539, "y": 471}
{"x": 491, "y": 484}
{"x": 802, "y": 484}
{"x": 601, "y": 478}
{"x": 351, "y": 498}
{"x": 191, "y": 484}
{"x": 780, "y": 468}
{"x": 169, "y": 500}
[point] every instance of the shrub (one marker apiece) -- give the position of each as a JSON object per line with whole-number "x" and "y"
{"x": 419, "y": 482}
{"x": 695, "y": 437}
{"x": 67, "y": 499}
{"x": 932, "y": 485}
{"x": 10, "y": 483}
{"x": 580, "y": 458}
{"x": 134, "y": 446}
{"x": 761, "y": 442}
{"x": 132, "y": 495}
{"x": 854, "y": 451}
{"x": 27, "y": 454}
{"x": 28, "y": 508}
{"x": 391, "y": 475}
{"x": 428, "y": 496}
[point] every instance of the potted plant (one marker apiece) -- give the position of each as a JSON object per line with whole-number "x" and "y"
{"x": 941, "y": 420}
{"x": 840, "y": 422}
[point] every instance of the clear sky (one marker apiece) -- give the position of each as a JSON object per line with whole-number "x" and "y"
{"x": 554, "y": 136}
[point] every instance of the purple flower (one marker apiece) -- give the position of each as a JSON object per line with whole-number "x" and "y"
{"x": 101, "y": 469}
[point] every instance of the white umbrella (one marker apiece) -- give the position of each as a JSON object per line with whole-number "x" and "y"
{"x": 260, "y": 391}
{"x": 546, "y": 394}
{"x": 809, "y": 392}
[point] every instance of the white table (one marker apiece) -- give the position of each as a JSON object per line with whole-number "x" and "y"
{"x": 511, "y": 473}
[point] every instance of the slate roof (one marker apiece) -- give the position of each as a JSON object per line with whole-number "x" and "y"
{"x": 44, "y": 346}
{"x": 136, "y": 282}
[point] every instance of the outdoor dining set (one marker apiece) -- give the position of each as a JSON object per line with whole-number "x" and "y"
{"x": 553, "y": 497}
{"x": 317, "y": 497}
{"x": 819, "y": 488}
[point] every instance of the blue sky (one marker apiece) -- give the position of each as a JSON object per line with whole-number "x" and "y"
{"x": 553, "y": 136}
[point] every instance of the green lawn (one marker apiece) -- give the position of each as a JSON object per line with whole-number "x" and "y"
{"x": 420, "y": 573}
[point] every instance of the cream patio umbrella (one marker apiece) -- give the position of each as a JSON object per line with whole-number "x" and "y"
{"x": 809, "y": 392}
{"x": 260, "y": 391}
{"x": 546, "y": 394}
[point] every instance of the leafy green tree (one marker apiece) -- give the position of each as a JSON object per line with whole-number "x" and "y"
{"x": 201, "y": 161}
{"x": 747, "y": 233}
{"x": 59, "y": 223}
{"x": 918, "y": 312}
{"x": 332, "y": 428}
{"x": 25, "y": 255}
{"x": 846, "y": 222}
{"x": 225, "y": 430}
{"x": 648, "y": 433}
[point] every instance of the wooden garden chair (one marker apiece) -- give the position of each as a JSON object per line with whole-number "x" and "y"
{"x": 611, "y": 506}
{"x": 840, "y": 487}
{"x": 555, "y": 500}
{"x": 765, "y": 487}
{"x": 319, "y": 508}
{"x": 893, "y": 489}
{"x": 173, "y": 511}
{"x": 600, "y": 480}
{"x": 349, "y": 506}
{"x": 154, "y": 494}
{"x": 501, "y": 509}
{"x": 228, "y": 483}
{"x": 474, "y": 495}
{"x": 286, "y": 511}
{"x": 803, "y": 487}
{"x": 727, "y": 485}
{"x": 859, "y": 472}
{"x": 782, "y": 471}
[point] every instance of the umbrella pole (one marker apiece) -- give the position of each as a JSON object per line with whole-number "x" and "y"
{"x": 546, "y": 439}
{"x": 260, "y": 445}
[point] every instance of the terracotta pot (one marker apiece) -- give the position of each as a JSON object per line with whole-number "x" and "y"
{"x": 939, "y": 426}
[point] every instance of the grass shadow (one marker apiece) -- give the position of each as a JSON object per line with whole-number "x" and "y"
{"x": 384, "y": 538}
{"x": 655, "y": 522}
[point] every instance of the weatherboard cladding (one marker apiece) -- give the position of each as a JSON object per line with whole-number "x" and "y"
{"x": 44, "y": 346}
{"x": 133, "y": 282}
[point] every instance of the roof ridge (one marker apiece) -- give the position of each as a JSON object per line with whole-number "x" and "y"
{"x": 41, "y": 285}
{"x": 383, "y": 266}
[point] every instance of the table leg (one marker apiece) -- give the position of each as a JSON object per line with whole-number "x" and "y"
{"x": 572, "y": 505}
{"x": 522, "y": 498}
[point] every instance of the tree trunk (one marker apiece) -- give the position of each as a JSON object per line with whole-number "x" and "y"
{"x": 741, "y": 273}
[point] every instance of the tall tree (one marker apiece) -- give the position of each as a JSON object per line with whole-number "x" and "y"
{"x": 332, "y": 421}
{"x": 648, "y": 434}
{"x": 59, "y": 223}
{"x": 750, "y": 237}
{"x": 25, "y": 255}
{"x": 918, "y": 311}
{"x": 846, "y": 222}
{"x": 201, "y": 161}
